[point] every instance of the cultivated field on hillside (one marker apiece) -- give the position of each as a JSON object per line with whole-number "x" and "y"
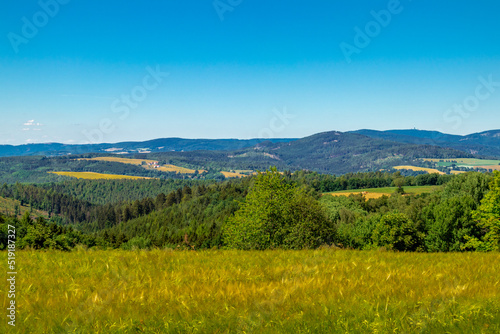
{"x": 149, "y": 164}
{"x": 96, "y": 176}
{"x": 465, "y": 162}
{"x": 386, "y": 191}
{"x": 315, "y": 291}
{"x": 428, "y": 170}
{"x": 122, "y": 160}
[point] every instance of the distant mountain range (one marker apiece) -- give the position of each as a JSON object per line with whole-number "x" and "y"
{"x": 150, "y": 146}
{"x": 484, "y": 143}
{"x": 327, "y": 152}
{"x": 330, "y": 152}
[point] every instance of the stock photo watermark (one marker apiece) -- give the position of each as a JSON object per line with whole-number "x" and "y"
{"x": 224, "y": 6}
{"x": 371, "y": 30}
{"x": 277, "y": 124}
{"x": 11, "y": 274}
{"x": 123, "y": 105}
{"x": 460, "y": 111}
{"x": 31, "y": 26}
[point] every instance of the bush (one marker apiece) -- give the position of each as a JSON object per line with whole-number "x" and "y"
{"x": 396, "y": 231}
{"x": 276, "y": 214}
{"x": 137, "y": 243}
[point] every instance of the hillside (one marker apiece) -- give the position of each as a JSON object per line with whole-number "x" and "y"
{"x": 156, "y": 145}
{"x": 328, "y": 152}
{"x": 336, "y": 152}
{"x": 485, "y": 143}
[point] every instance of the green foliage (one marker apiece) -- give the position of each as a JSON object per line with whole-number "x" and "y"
{"x": 396, "y": 231}
{"x": 488, "y": 216}
{"x": 137, "y": 243}
{"x": 277, "y": 214}
{"x": 40, "y": 234}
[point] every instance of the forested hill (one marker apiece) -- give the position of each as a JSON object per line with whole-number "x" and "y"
{"x": 156, "y": 145}
{"x": 337, "y": 152}
{"x": 485, "y": 143}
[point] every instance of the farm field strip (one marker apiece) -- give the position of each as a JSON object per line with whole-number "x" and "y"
{"x": 150, "y": 164}
{"x": 428, "y": 170}
{"x": 465, "y": 161}
{"x": 386, "y": 191}
{"x": 314, "y": 291}
{"x": 121, "y": 160}
{"x": 233, "y": 174}
{"x": 97, "y": 176}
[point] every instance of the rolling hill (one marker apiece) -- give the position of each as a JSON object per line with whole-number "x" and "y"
{"x": 150, "y": 146}
{"x": 485, "y": 143}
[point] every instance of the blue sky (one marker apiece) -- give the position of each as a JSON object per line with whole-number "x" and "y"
{"x": 96, "y": 71}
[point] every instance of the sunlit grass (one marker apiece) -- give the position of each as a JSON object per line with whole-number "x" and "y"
{"x": 322, "y": 291}
{"x": 420, "y": 169}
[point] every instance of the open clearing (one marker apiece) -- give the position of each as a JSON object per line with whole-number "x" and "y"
{"x": 466, "y": 162}
{"x": 97, "y": 176}
{"x": 233, "y": 174}
{"x": 428, "y": 170}
{"x": 316, "y": 291}
{"x": 8, "y": 207}
{"x": 148, "y": 164}
{"x": 121, "y": 160}
{"x": 387, "y": 191}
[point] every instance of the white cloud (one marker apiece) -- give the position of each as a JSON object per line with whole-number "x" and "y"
{"x": 31, "y": 125}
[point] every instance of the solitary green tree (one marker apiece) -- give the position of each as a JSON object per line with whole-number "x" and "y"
{"x": 276, "y": 214}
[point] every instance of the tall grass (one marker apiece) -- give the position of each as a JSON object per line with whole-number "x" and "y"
{"x": 321, "y": 291}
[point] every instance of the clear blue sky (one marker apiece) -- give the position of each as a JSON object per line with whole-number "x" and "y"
{"x": 66, "y": 72}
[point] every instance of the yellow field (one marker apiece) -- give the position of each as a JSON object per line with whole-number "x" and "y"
{"x": 122, "y": 160}
{"x": 232, "y": 174}
{"x": 164, "y": 168}
{"x": 96, "y": 176}
{"x": 321, "y": 291}
{"x": 367, "y": 195}
{"x": 177, "y": 169}
{"x": 457, "y": 172}
{"x": 428, "y": 170}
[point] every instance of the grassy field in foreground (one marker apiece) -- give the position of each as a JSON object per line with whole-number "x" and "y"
{"x": 97, "y": 176}
{"x": 321, "y": 291}
{"x": 387, "y": 191}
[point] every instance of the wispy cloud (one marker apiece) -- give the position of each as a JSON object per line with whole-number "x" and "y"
{"x": 32, "y": 125}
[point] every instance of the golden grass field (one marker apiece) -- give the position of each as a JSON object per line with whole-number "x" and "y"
{"x": 428, "y": 170}
{"x": 97, "y": 176}
{"x": 233, "y": 174}
{"x": 316, "y": 291}
{"x": 177, "y": 169}
{"x": 164, "y": 168}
